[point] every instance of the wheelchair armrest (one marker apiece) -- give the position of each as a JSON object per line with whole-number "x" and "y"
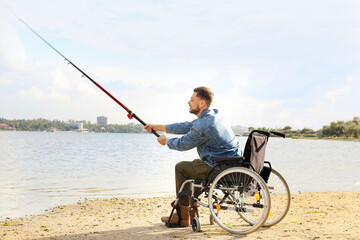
{"x": 223, "y": 161}
{"x": 227, "y": 159}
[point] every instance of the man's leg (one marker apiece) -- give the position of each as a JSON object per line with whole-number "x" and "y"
{"x": 196, "y": 169}
{"x": 185, "y": 170}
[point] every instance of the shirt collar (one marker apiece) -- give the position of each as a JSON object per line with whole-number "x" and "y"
{"x": 204, "y": 112}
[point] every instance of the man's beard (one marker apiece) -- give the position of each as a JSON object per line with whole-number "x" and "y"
{"x": 194, "y": 110}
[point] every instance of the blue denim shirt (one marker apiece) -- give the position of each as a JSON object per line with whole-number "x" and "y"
{"x": 209, "y": 133}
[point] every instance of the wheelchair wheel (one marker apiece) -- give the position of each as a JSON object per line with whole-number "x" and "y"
{"x": 239, "y": 200}
{"x": 211, "y": 219}
{"x": 280, "y": 198}
{"x": 195, "y": 224}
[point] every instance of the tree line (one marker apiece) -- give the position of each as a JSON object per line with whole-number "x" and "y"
{"x": 37, "y": 125}
{"x": 338, "y": 129}
{"x": 348, "y": 129}
{"x": 56, "y": 125}
{"x": 115, "y": 128}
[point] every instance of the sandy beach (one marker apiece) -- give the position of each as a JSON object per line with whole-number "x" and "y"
{"x": 325, "y": 215}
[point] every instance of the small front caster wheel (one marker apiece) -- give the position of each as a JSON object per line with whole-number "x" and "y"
{"x": 195, "y": 224}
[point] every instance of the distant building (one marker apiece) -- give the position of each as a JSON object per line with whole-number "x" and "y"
{"x": 51, "y": 129}
{"x": 5, "y": 126}
{"x": 85, "y": 122}
{"x": 102, "y": 120}
{"x": 78, "y": 125}
{"x": 81, "y": 126}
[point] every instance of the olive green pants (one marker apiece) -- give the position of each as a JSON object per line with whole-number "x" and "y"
{"x": 185, "y": 170}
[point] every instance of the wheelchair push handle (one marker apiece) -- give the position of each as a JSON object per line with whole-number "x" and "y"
{"x": 262, "y": 132}
{"x": 278, "y": 134}
{"x": 266, "y": 133}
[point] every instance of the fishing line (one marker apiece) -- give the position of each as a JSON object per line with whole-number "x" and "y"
{"x": 130, "y": 113}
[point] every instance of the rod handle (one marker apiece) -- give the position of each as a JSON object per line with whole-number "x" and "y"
{"x": 143, "y": 123}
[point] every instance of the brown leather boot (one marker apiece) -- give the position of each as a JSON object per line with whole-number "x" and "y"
{"x": 185, "y": 217}
{"x": 174, "y": 218}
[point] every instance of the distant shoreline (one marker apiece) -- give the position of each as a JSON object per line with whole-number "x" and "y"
{"x": 328, "y": 138}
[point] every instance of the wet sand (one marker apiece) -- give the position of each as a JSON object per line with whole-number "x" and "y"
{"x": 326, "y": 215}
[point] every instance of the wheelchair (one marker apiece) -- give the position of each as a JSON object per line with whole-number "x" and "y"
{"x": 244, "y": 193}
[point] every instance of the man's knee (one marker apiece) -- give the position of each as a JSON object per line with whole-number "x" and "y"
{"x": 179, "y": 167}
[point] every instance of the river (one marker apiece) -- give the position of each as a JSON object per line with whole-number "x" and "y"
{"x": 40, "y": 170}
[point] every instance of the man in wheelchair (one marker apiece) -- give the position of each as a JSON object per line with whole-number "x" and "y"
{"x": 209, "y": 133}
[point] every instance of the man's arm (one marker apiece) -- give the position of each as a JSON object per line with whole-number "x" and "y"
{"x": 176, "y": 128}
{"x": 190, "y": 140}
{"x": 179, "y": 128}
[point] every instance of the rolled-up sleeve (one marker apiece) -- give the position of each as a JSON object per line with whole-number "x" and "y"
{"x": 192, "y": 139}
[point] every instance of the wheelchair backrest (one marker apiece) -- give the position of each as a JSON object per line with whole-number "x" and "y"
{"x": 254, "y": 151}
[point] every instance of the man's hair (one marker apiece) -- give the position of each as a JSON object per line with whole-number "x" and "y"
{"x": 205, "y": 93}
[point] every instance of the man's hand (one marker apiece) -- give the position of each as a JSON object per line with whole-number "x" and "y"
{"x": 149, "y": 128}
{"x": 162, "y": 139}
{"x": 155, "y": 127}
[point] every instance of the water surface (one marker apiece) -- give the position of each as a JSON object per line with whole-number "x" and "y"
{"x": 39, "y": 170}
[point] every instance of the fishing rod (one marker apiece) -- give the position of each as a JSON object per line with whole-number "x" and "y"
{"x": 130, "y": 113}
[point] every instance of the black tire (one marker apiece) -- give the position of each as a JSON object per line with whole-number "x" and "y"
{"x": 280, "y": 198}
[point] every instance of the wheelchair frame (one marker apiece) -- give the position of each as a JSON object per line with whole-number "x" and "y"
{"x": 239, "y": 188}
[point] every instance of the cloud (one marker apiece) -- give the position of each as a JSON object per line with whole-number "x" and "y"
{"x": 12, "y": 52}
{"x": 353, "y": 79}
{"x": 4, "y": 81}
{"x": 38, "y": 94}
{"x": 32, "y": 92}
{"x": 335, "y": 94}
{"x": 59, "y": 80}
{"x": 138, "y": 78}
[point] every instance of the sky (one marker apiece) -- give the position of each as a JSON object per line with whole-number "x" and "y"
{"x": 269, "y": 63}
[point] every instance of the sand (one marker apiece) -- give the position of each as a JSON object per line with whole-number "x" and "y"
{"x": 330, "y": 215}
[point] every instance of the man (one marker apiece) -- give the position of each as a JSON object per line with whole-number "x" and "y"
{"x": 208, "y": 133}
